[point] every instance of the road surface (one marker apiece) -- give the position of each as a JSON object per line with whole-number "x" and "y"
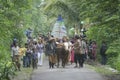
{"x": 68, "y": 73}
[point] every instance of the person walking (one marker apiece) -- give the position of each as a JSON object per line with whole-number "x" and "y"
{"x": 77, "y": 51}
{"x": 66, "y": 45}
{"x": 50, "y": 48}
{"x": 72, "y": 54}
{"x": 28, "y": 57}
{"x": 40, "y": 49}
{"x": 83, "y": 51}
{"x": 15, "y": 56}
{"x": 94, "y": 50}
{"x": 103, "y": 50}
{"x": 34, "y": 57}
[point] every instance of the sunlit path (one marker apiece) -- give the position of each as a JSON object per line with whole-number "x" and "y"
{"x": 68, "y": 73}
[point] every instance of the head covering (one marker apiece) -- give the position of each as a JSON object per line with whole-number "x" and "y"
{"x": 51, "y": 38}
{"x": 35, "y": 40}
{"x": 77, "y": 37}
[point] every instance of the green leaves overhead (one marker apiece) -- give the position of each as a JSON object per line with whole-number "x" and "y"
{"x": 56, "y": 7}
{"x": 97, "y": 11}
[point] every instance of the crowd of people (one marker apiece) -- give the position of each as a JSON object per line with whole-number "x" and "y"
{"x": 31, "y": 54}
{"x": 75, "y": 50}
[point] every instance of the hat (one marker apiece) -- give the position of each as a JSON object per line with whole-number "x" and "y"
{"x": 77, "y": 36}
{"x": 51, "y": 38}
{"x": 39, "y": 38}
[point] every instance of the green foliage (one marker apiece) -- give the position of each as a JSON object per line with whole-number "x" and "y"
{"x": 104, "y": 19}
{"x": 103, "y": 15}
{"x": 71, "y": 32}
{"x": 7, "y": 70}
{"x": 117, "y": 64}
{"x": 11, "y": 12}
{"x": 16, "y": 17}
{"x": 113, "y": 54}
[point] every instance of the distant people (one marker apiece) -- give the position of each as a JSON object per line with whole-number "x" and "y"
{"x": 90, "y": 50}
{"x": 40, "y": 49}
{"x": 34, "y": 59}
{"x": 13, "y": 43}
{"x": 22, "y": 52}
{"x": 50, "y": 51}
{"x": 28, "y": 57}
{"x": 28, "y": 33}
{"x": 77, "y": 51}
{"x": 94, "y": 50}
{"x": 35, "y": 43}
{"x": 15, "y": 56}
{"x": 86, "y": 49}
{"x": 59, "y": 52}
{"x": 66, "y": 45}
{"x": 103, "y": 50}
{"x": 72, "y": 54}
{"x": 83, "y": 52}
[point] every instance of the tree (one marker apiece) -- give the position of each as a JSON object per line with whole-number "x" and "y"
{"x": 11, "y": 12}
{"x": 103, "y": 16}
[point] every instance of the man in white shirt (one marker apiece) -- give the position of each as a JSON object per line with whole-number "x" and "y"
{"x": 15, "y": 56}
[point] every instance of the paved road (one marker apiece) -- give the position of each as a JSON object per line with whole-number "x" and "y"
{"x": 68, "y": 73}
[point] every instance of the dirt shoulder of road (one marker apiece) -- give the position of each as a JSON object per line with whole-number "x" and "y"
{"x": 24, "y": 74}
{"x": 106, "y": 71}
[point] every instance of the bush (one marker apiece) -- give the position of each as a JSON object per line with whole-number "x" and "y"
{"x": 7, "y": 70}
{"x": 113, "y": 54}
{"x": 6, "y": 66}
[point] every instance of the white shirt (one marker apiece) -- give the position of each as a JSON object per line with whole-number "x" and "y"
{"x": 15, "y": 51}
{"x": 66, "y": 44}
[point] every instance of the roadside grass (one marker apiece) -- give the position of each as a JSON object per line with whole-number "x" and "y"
{"x": 105, "y": 70}
{"x": 24, "y": 74}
